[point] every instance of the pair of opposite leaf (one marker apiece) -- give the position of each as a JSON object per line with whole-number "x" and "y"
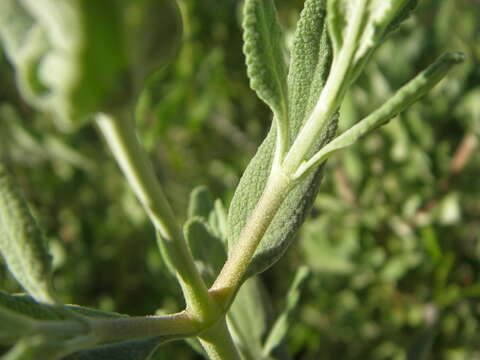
{"x": 332, "y": 43}
{"x": 74, "y": 58}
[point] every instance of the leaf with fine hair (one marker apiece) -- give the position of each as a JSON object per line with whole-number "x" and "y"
{"x": 74, "y": 58}
{"x": 64, "y": 76}
{"x": 248, "y": 318}
{"x": 265, "y": 56}
{"x": 403, "y": 98}
{"x": 14, "y": 326}
{"x": 22, "y": 243}
{"x": 375, "y": 19}
{"x": 285, "y": 320}
{"x": 201, "y": 203}
{"x": 23, "y": 307}
{"x": 310, "y": 63}
{"x": 139, "y": 349}
{"x": 206, "y": 248}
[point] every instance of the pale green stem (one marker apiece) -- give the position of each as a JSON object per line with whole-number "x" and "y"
{"x": 233, "y": 272}
{"x": 403, "y": 98}
{"x": 218, "y": 343}
{"x": 331, "y": 96}
{"x": 117, "y": 329}
{"x": 121, "y": 137}
{"x": 281, "y": 180}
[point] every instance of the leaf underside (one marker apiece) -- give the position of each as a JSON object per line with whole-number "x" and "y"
{"x": 138, "y": 349}
{"x": 310, "y": 63}
{"x": 21, "y": 242}
{"x": 265, "y": 55}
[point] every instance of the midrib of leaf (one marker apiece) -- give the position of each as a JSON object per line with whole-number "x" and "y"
{"x": 305, "y": 81}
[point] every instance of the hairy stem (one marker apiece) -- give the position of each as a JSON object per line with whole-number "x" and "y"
{"x": 233, "y": 272}
{"x": 330, "y": 97}
{"x": 121, "y": 137}
{"x": 218, "y": 343}
{"x": 117, "y": 329}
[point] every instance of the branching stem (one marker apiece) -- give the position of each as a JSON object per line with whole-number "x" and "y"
{"x": 121, "y": 137}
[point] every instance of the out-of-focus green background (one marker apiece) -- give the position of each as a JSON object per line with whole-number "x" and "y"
{"x": 393, "y": 240}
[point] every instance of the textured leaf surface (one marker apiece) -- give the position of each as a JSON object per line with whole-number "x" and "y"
{"x": 21, "y": 242}
{"x": 201, "y": 203}
{"x": 380, "y": 18}
{"x": 207, "y": 249}
{"x": 248, "y": 320}
{"x": 14, "y": 326}
{"x": 285, "y": 320}
{"x": 265, "y": 55}
{"x": 310, "y": 62}
{"x": 403, "y": 98}
{"x": 64, "y": 75}
{"x": 76, "y": 57}
{"x": 141, "y": 349}
{"x": 25, "y": 306}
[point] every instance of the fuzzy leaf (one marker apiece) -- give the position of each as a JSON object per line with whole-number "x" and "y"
{"x": 14, "y": 326}
{"x": 76, "y": 57}
{"x": 380, "y": 17}
{"x": 403, "y": 98}
{"x": 248, "y": 320}
{"x": 201, "y": 203}
{"x": 285, "y": 320}
{"x": 207, "y": 249}
{"x": 38, "y": 347}
{"x": 141, "y": 349}
{"x": 24, "y": 307}
{"x": 55, "y": 47}
{"x": 311, "y": 58}
{"x": 218, "y": 221}
{"x": 21, "y": 242}
{"x": 265, "y": 55}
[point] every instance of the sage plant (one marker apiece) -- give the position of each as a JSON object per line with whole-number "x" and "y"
{"x": 79, "y": 60}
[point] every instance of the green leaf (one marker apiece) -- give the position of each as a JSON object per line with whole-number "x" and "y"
{"x": 370, "y": 20}
{"x": 65, "y": 40}
{"x": 21, "y": 242}
{"x": 285, "y": 320}
{"x": 311, "y": 59}
{"x": 14, "y": 326}
{"x": 206, "y": 248}
{"x": 218, "y": 221}
{"x": 24, "y": 307}
{"x": 201, "y": 203}
{"x": 248, "y": 319}
{"x": 402, "y": 99}
{"x": 74, "y": 58}
{"x": 265, "y": 56}
{"x": 310, "y": 63}
{"x": 141, "y": 349}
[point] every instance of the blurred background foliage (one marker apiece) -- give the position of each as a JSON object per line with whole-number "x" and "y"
{"x": 393, "y": 240}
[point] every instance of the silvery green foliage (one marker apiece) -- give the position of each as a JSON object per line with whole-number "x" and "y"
{"x": 76, "y": 57}
{"x": 310, "y": 61}
{"x": 265, "y": 56}
{"x": 376, "y": 19}
{"x": 248, "y": 318}
{"x": 33, "y": 345}
{"x": 22, "y": 244}
{"x": 283, "y": 323}
{"x": 207, "y": 249}
{"x": 403, "y": 98}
